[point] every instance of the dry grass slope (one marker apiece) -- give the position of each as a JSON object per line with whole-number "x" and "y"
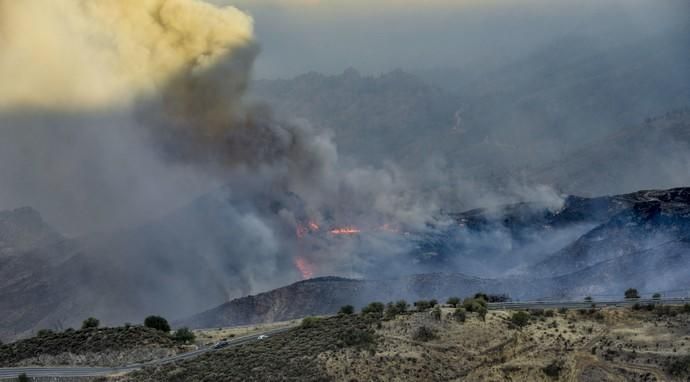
{"x": 588, "y": 345}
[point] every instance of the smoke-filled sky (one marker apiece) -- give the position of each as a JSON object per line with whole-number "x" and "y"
{"x": 117, "y": 115}
{"x": 377, "y": 36}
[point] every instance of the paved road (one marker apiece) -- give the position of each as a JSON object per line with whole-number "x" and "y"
{"x": 583, "y": 304}
{"x": 13, "y": 373}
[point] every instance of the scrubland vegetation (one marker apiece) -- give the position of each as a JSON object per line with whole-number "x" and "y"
{"x": 461, "y": 340}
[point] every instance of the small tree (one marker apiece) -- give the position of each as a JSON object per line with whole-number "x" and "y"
{"x": 158, "y": 323}
{"x": 657, "y": 296}
{"x": 402, "y": 306}
{"x": 90, "y": 322}
{"x": 631, "y": 293}
{"x": 374, "y": 308}
{"x": 23, "y": 378}
{"x": 391, "y": 310}
{"x": 453, "y": 301}
{"x": 520, "y": 319}
{"x": 184, "y": 335}
{"x": 482, "y": 296}
{"x": 433, "y": 302}
{"x": 474, "y": 304}
{"x": 347, "y": 310}
{"x": 588, "y": 299}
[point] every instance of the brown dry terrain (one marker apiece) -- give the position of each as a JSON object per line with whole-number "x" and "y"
{"x": 577, "y": 345}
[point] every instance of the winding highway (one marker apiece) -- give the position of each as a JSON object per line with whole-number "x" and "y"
{"x": 71, "y": 371}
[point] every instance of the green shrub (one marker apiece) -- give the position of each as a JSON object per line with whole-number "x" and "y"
{"x": 632, "y": 293}
{"x": 374, "y": 309}
{"x": 460, "y": 315}
{"x": 549, "y": 313}
{"x": 474, "y": 304}
{"x": 563, "y": 310}
{"x": 453, "y": 301}
{"x": 158, "y": 323}
{"x": 346, "y": 309}
{"x": 686, "y": 308}
{"x": 481, "y": 296}
{"x": 423, "y": 334}
{"x": 402, "y": 306}
{"x": 520, "y": 319}
{"x": 391, "y": 311}
{"x": 553, "y": 370}
{"x": 679, "y": 367}
{"x": 23, "y": 378}
{"x": 310, "y": 322}
{"x": 90, "y": 322}
{"x": 422, "y": 305}
{"x": 589, "y": 299}
{"x": 433, "y": 303}
{"x": 44, "y": 332}
{"x": 656, "y": 296}
{"x": 183, "y": 335}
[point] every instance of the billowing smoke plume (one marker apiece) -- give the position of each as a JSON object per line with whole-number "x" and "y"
{"x": 94, "y": 53}
{"x": 115, "y": 113}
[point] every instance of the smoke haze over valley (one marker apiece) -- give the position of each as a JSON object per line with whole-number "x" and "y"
{"x": 170, "y": 156}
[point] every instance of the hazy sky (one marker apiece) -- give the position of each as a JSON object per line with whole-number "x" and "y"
{"x": 379, "y": 35}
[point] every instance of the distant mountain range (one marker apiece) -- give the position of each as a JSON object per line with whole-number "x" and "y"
{"x": 536, "y": 118}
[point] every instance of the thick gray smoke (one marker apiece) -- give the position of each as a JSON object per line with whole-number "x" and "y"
{"x": 198, "y": 194}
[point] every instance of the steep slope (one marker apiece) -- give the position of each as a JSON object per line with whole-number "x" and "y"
{"x": 651, "y": 219}
{"x": 326, "y": 295}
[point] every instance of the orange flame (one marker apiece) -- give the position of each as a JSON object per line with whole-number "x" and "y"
{"x": 345, "y": 231}
{"x": 304, "y": 267}
{"x": 303, "y": 230}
